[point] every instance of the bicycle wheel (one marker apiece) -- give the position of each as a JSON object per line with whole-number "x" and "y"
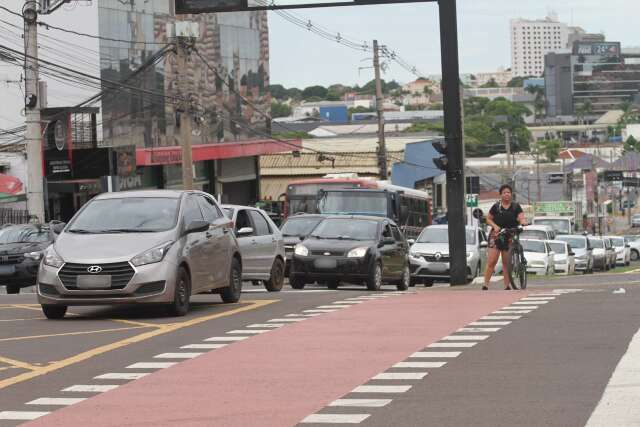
{"x": 522, "y": 274}
{"x": 513, "y": 266}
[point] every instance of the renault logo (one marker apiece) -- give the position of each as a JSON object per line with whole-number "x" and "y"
{"x": 94, "y": 269}
{"x": 438, "y": 256}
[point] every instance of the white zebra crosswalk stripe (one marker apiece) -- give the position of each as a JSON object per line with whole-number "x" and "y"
{"x": 452, "y": 345}
{"x": 90, "y": 388}
{"x": 57, "y": 401}
{"x": 489, "y": 323}
{"x": 21, "y": 415}
{"x": 249, "y": 331}
{"x": 437, "y": 354}
{"x": 478, "y": 329}
{"x": 400, "y": 376}
{"x": 362, "y": 403}
{"x": 177, "y": 355}
{"x": 335, "y": 418}
{"x": 500, "y": 317}
{"x": 465, "y": 338}
{"x": 121, "y": 376}
{"x": 381, "y": 389}
{"x": 225, "y": 339}
{"x": 419, "y": 365}
{"x": 151, "y": 365}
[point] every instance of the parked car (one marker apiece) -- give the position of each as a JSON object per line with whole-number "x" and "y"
{"x": 601, "y": 258}
{"x": 564, "y": 257}
{"x": 611, "y": 252}
{"x": 635, "y": 220}
{"x": 356, "y": 249}
{"x": 538, "y": 232}
{"x": 294, "y": 231}
{"x": 539, "y": 256}
{"x": 429, "y": 255}
{"x": 21, "y": 248}
{"x": 581, "y": 246}
{"x": 623, "y": 250}
{"x": 141, "y": 247}
{"x": 261, "y": 246}
{"x": 634, "y": 243}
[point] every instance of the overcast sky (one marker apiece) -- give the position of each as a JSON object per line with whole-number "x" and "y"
{"x": 300, "y": 58}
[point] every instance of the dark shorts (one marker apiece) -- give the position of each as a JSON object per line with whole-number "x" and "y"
{"x": 493, "y": 235}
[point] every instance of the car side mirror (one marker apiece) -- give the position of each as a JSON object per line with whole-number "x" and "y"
{"x": 58, "y": 227}
{"x": 484, "y": 244}
{"x": 627, "y": 245}
{"x": 245, "y": 231}
{"x": 411, "y": 241}
{"x": 197, "y": 227}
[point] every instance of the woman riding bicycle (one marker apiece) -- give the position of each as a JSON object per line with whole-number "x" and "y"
{"x": 503, "y": 214}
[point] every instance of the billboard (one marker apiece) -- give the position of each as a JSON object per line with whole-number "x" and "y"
{"x": 599, "y": 53}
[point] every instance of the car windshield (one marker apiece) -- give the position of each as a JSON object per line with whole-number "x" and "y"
{"x": 127, "y": 214}
{"x": 559, "y": 248}
{"x": 441, "y": 235}
{"x": 575, "y": 242}
{"x": 618, "y": 242}
{"x": 532, "y": 246}
{"x": 596, "y": 243}
{"x": 534, "y": 234}
{"x": 560, "y": 225}
{"x": 23, "y": 234}
{"x": 228, "y": 212}
{"x": 347, "y": 229}
{"x": 299, "y": 226}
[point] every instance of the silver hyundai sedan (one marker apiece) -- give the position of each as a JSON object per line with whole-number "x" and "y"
{"x": 151, "y": 247}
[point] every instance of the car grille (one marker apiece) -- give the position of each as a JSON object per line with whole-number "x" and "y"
{"x": 121, "y": 274}
{"x": 433, "y": 258}
{"x": 329, "y": 252}
{"x": 11, "y": 259}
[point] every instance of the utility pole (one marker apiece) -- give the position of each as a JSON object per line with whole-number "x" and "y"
{"x": 382, "y": 146}
{"x": 183, "y": 48}
{"x": 507, "y": 143}
{"x": 538, "y": 172}
{"x": 33, "y": 135}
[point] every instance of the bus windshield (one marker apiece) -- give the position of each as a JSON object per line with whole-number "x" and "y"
{"x": 354, "y": 202}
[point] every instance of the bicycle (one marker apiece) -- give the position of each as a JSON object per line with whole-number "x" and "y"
{"x": 516, "y": 262}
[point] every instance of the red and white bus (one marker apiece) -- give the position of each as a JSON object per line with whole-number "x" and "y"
{"x": 409, "y": 208}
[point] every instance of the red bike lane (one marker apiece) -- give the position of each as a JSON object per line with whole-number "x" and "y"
{"x": 278, "y": 378}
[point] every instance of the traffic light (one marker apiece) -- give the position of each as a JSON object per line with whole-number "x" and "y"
{"x": 441, "y": 162}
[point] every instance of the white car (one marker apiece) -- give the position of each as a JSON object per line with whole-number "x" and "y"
{"x": 538, "y": 232}
{"x": 539, "y": 256}
{"x": 634, "y": 242}
{"x": 564, "y": 257}
{"x": 623, "y": 250}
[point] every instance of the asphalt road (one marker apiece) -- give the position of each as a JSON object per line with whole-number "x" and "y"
{"x": 549, "y": 367}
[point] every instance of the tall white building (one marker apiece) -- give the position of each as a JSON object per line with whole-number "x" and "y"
{"x": 532, "y": 40}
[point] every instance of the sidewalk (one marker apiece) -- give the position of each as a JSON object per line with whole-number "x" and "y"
{"x": 282, "y": 376}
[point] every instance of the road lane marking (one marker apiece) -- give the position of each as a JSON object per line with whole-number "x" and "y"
{"x": 381, "y": 389}
{"x": 292, "y": 319}
{"x": 348, "y": 302}
{"x": 121, "y": 376}
{"x": 249, "y": 331}
{"x": 529, "y": 302}
{"x": 151, "y": 365}
{"x": 512, "y": 311}
{"x": 319, "y": 311}
{"x": 363, "y": 403}
{"x": 465, "y": 338}
{"x": 452, "y": 345}
{"x": 332, "y": 306}
{"x": 478, "y": 329}
{"x": 251, "y": 305}
{"x": 91, "y": 388}
{"x": 266, "y": 325}
{"x": 57, "y": 401}
{"x": 437, "y": 354}
{"x": 63, "y": 334}
{"x": 19, "y": 364}
{"x": 177, "y": 355}
{"x": 21, "y": 415}
{"x": 489, "y": 323}
{"x": 132, "y": 322}
{"x": 500, "y": 317}
{"x": 302, "y": 315}
{"x": 204, "y": 346}
{"x": 226, "y": 338}
{"x": 523, "y": 307}
{"x": 400, "y": 376}
{"x": 335, "y": 418}
{"x": 531, "y": 298}
{"x": 22, "y": 320}
{"x": 419, "y": 364}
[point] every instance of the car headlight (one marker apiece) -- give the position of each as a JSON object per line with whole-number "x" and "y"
{"x": 415, "y": 256}
{"x": 301, "y": 250}
{"x": 357, "y": 252}
{"x": 34, "y": 256}
{"x": 152, "y": 255}
{"x": 52, "y": 259}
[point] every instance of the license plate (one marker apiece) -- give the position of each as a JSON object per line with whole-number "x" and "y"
{"x": 326, "y": 263}
{"x": 7, "y": 270}
{"x": 438, "y": 267}
{"x": 93, "y": 282}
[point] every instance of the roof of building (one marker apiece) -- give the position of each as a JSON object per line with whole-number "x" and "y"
{"x": 610, "y": 117}
{"x": 588, "y": 161}
{"x": 571, "y": 154}
{"x": 628, "y": 162}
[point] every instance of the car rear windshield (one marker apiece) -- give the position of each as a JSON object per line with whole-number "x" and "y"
{"x": 441, "y": 235}
{"x": 532, "y": 246}
{"x": 597, "y": 243}
{"x": 618, "y": 242}
{"x": 558, "y": 248}
{"x": 347, "y": 229}
{"x": 534, "y": 234}
{"x": 575, "y": 242}
{"x": 299, "y": 226}
{"x": 127, "y": 214}
{"x": 23, "y": 234}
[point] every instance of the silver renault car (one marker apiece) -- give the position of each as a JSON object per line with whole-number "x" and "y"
{"x": 151, "y": 247}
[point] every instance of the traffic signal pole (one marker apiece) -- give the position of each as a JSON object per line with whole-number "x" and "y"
{"x": 454, "y": 141}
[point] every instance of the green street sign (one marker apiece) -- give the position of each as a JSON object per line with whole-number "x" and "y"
{"x": 472, "y": 200}
{"x": 559, "y": 207}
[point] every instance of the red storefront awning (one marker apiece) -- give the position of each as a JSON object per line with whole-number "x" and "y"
{"x": 224, "y": 150}
{"x": 10, "y": 184}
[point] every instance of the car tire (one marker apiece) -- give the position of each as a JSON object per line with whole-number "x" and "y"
{"x": 297, "y": 282}
{"x": 13, "y": 289}
{"x": 428, "y": 283}
{"x": 374, "y": 281}
{"x": 181, "y": 294}
{"x": 276, "y": 280}
{"x": 333, "y": 284}
{"x": 405, "y": 280}
{"x": 54, "y": 312}
{"x": 413, "y": 282}
{"x": 635, "y": 255}
{"x": 231, "y": 294}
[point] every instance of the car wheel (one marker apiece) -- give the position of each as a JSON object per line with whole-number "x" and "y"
{"x": 54, "y": 311}
{"x": 374, "y": 281}
{"x": 333, "y": 284}
{"x": 231, "y": 293}
{"x": 275, "y": 282}
{"x": 182, "y": 294}
{"x": 428, "y": 283}
{"x": 413, "y": 282}
{"x": 405, "y": 280}
{"x": 635, "y": 255}
{"x": 297, "y": 282}
{"x": 13, "y": 289}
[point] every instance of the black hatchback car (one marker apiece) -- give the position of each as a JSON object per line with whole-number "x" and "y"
{"x": 355, "y": 249}
{"x": 21, "y": 248}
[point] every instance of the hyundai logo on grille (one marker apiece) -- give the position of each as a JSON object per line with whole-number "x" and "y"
{"x": 94, "y": 269}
